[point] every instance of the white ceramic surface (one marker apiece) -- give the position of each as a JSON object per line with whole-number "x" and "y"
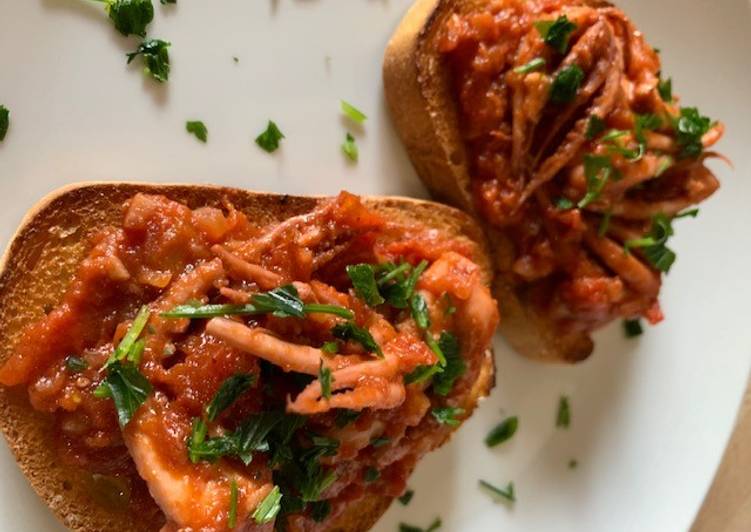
{"x": 650, "y": 416}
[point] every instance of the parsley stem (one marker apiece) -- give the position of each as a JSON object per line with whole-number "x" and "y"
{"x": 394, "y": 273}
{"x": 328, "y": 309}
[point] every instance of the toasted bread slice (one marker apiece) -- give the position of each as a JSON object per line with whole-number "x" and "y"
{"x": 420, "y": 98}
{"x": 36, "y": 269}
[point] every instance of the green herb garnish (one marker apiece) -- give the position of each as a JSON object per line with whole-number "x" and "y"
{"x": 632, "y": 328}
{"x": 565, "y": 84}
{"x": 349, "y": 148}
{"x": 197, "y": 128}
{"x": 127, "y": 388}
{"x": 155, "y": 58}
{"x": 435, "y": 525}
{"x": 563, "y": 417}
{"x": 665, "y": 89}
{"x": 352, "y": 112}
{"x": 380, "y": 442}
{"x": 508, "y": 493}
{"x": 320, "y": 510}
{"x": 654, "y": 245}
{"x": 4, "y": 122}
{"x": 572, "y": 464}
{"x": 350, "y": 331}
{"x": 129, "y": 347}
{"x": 130, "y": 17}
{"x": 690, "y": 127}
{"x": 76, "y": 364}
{"x": 269, "y": 140}
{"x": 228, "y": 392}
{"x": 556, "y": 34}
{"x": 371, "y": 474}
{"x": 345, "y": 417}
{"x": 502, "y": 432}
{"x": 595, "y": 126}
{"x": 232, "y": 520}
{"x": 535, "y": 64}
{"x": 251, "y": 436}
{"x": 364, "y": 283}
{"x": 324, "y": 376}
{"x": 448, "y": 415}
{"x": 597, "y": 170}
{"x": 455, "y": 365}
{"x": 269, "y": 507}
{"x": 407, "y": 497}
{"x": 604, "y": 224}
{"x": 564, "y": 204}
{"x": 420, "y": 311}
{"x": 330, "y": 347}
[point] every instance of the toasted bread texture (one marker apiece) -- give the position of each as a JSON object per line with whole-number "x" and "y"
{"x": 420, "y": 97}
{"x": 36, "y": 269}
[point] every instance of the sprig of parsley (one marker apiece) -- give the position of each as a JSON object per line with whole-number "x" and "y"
{"x": 155, "y": 55}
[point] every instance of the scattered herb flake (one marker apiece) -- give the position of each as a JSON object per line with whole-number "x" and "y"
{"x": 324, "y": 377}
{"x": 380, "y": 442}
{"x": 364, "y": 283}
{"x": 4, "y": 122}
{"x": 371, "y": 474}
{"x": 566, "y": 83}
{"x": 75, "y": 364}
{"x": 350, "y": 331}
{"x": 330, "y": 347}
{"x": 597, "y": 170}
{"x": 407, "y": 497}
{"x": 690, "y": 127}
{"x": 455, "y": 366}
{"x": 595, "y": 126}
{"x": 632, "y": 328}
{"x": 269, "y": 507}
{"x": 229, "y": 391}
{"x": 269, "y": 140}
{"x": 130, "y": 17}
{"x": 352, "y": 112}
{"x": 435, "y": 525}
{"x": 572, "y": 464}
{"x": 448, "y": 415}
{"x": 155, "y": 55}
{"x": 127, "y": 387}
{"x": 502, "y": 432}
{"x": 349, "y": 148}
{"x": 563, "y": 417}
{"x": 508, "y": 493}
{"x": 556, "y": 34}
{"x": 535, "y": 64}
{"x": 197, "y": 128}
{"x": 564, "y": 204}
{"x": 665, "y": 89}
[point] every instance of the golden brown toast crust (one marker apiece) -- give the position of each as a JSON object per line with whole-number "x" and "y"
{"x": 36, "y": 269}
{"x": 420, "y": 97}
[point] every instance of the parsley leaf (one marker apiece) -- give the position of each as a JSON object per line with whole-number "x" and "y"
{"x": 407, "y": 497}
{"x": 435, "y": 525}
{"x": 269, "y": 507}
{"x": 654, "y": 245}
{"x": 420, "y": 311}
{"x": 349, "y": 148}
{"x": 396, "y": 285}
{"x": 448, "y": 415}
{"x": 128, "y": 348}
{"x": 597, "y": 170}
{"x": 269, "y": 140}
{"x": 324, "y": 376}
{"x": 350, "y": 331}
{"x": 371, "y": 474}
{"x": 130, "y": 17}
{"x": 232, "y": 519}
{"x": 507, "y": 493}
{"x": 228, "y": 392}
{"x": 352, "y": 112}
{"x": 632, "y": 328}
{"x": 364, "y": 283}
{"x": 197, "y": 128}
{"x": 595, "y": 126}
{"x": 665, "y": 90}
{"x": 535, "y": 64}
{"x": 75, "y": 364}
{"x": 565, "y": 84}
{"x": 155, "y": 58}
{"x": 282, "y": 302}
{"x": 330, "y": 347}
{"x": 690, "y": 127}
{"x": 4, "y": 122}
{"x": 455, "y": 366}
{"x": 251, "y": 436}
{"x": 563, "y": 417}
{"x": 556, "y": 34}
{"x": 502, "y": 432}
{"x": 127, "y": 387}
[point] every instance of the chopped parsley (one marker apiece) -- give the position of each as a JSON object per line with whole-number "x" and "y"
{"x": 269, "y": 140}
{"x": 130, "y": 347}
{"x": 448, "y": 415}
{"x": 324, "y": 376}
{"x": 654, "y": 245}
{"x": 364, "y": 283}
{"x": 75, "y": 364}
{"x": 572, "y": 464}
{"x": 420, "y": 311}
{"x": 127, "y": 388}
{"x": 604, "y": 224}
{"x": 282, "y": 302}
{"x": 351, "y": 331}
{"x": 349, "y": 148}
{"x": 130, "y": 17}
{"x": 330, "y": 347}
{"x": 165, "y": 2}
{"x": 566, "y": 83}
{"x": 345, "y": 417}
{"x": 320, "y": 510}
{"x": 665, "y": 89}
{"x": 371, "y": 474}
{"x": 508, "y": 493}
{"x": 557, "y": 33}
{"x": 435, "y": 525}
{"x": 563, "y": 417}
{"x": 535, "y": 64}
{"x": 251, "y": 436}
{"x": 597, "y": 170}
{"x": 228, "y": 393}
{"x": 197, "y": 128}
{"x": 502, "y": 432}
{"x": 407, "y": 497}
{"x": 632, "y": 328}
{"x": 380, "y": 442}
{"x": 455, "y": 366}
{"x": 352, "y": 112}
{"x": 232, "y": 519}
{"x": 564, "y": 204}
{"x": 269, "y": 507}
{"x": 397, "y": 283}
{"x": 4, "y": 122}
{"x": 155, "y": 58}
{"x": 595, "y": 126}
{"x": 690, "y": 127}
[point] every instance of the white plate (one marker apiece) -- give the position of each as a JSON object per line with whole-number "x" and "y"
{"x": 650, "y": 416}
